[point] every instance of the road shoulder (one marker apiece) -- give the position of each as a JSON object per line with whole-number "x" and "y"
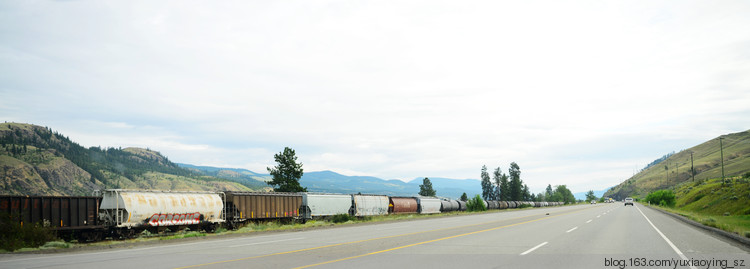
{"x": 736, "y": 239}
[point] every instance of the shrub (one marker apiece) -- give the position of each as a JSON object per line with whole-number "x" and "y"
{"x": 662, "y": 198}
{"x": 15, "y": 236}
{"x": 475, "y": 204}
{"x": 56, "y": 244}
{"x": 340, "y": 218}
{"x": 710, "y": 222}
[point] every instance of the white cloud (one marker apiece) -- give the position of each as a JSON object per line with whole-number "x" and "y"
{"x": 391, "y": 90}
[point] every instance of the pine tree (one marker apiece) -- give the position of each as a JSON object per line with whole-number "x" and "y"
{"x": 526, "y": 194}
{"x": 516, "y": 187}
{"x": 504, "y": 188}
{"x": 590, "y": 196}
{"x": 464, "y": 197}
{"x": 425, "y": 189}
{"x": 548, "y": 190}
{"x": 287, "y": 173}
{"x": 487, "y": 189}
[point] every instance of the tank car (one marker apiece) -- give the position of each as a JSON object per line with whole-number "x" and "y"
{"x": 130, "y": 211}
{"x": 318, "y": 205}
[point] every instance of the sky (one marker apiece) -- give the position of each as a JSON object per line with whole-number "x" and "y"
{"x": 581, "y": 93}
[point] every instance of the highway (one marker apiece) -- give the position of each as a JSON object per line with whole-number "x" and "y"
{"x": 581, "y": 236}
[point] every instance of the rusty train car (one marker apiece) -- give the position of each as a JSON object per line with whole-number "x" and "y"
{"x": 242, "y": 207}
{"x": 69, "y": 216}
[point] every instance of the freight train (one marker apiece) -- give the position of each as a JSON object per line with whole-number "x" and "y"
{"x": 118, "y": 214}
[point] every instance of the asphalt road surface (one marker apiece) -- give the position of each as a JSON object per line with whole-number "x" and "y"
{"x": 582, "y": 236}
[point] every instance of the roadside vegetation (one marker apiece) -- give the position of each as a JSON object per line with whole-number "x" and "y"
{"x": 475, "y": 204}
{"x": 15, "y": 235}
{"x": 725, "y": 206}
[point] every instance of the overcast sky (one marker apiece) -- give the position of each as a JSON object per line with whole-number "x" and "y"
{"x": 576, "y": 92}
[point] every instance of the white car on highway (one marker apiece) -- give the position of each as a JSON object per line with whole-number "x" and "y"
{"x": 628, "y": 201}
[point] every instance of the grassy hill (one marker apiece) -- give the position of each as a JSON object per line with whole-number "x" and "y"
{"x": 675, "y": 169}
{"x": 34, "y": 160}
{"x": 711, "y": 197}
{"x": 720, "y": 205}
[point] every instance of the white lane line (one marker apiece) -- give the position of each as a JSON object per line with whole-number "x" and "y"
{"x": 598, "y": 216}
{"x": 574, "y": 228}
{"x": 259, "y": 243}
{"x": 588, "y": 221}
{"x": 665, "y": 238}
{"x": 534, "y": 248}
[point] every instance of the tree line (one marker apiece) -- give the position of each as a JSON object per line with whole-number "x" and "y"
{"x": 510, "y": 187}
{"x": 504, "y": 187}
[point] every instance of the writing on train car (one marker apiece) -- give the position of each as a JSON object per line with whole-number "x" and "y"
{"x": 174, "y": 219}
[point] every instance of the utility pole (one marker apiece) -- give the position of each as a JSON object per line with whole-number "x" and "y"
{"x": 692, "y": 170}
{"x": 721, "y": 147}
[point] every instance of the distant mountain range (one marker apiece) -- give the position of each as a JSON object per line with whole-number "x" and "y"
{"x": 35, "y": 160}
{"x": 332, "y": 182}
{"x": 328, "y": 181}
{"x": 582, "y": 195}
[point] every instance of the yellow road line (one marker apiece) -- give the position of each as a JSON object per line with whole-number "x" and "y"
{"x": 428, "y": 241}
{"x": 378, "y": 238}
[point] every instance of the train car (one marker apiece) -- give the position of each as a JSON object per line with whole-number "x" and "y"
{"x": 455, "y": 205}
{"x": 512, "y": 204}
{"x": 493, "y": 205}
{"x": 315, "y": 205}
{"x": 369, "y": 205}
{"x": 461, "y": 206}
{"x": 448, "y": 205}
{"x": 429, "y": 205}
{"x": 149, "y": 209}
{"x": 402, "y": 205}
{"x": 242, "y": 207}
{"x": 502, "y": 204}
{"x": 68, "y": 216}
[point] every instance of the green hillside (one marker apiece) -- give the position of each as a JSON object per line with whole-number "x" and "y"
{"x": 711, "y": 197}
{"x": 675, "y": 169}
{"x": 34, "y": 160}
